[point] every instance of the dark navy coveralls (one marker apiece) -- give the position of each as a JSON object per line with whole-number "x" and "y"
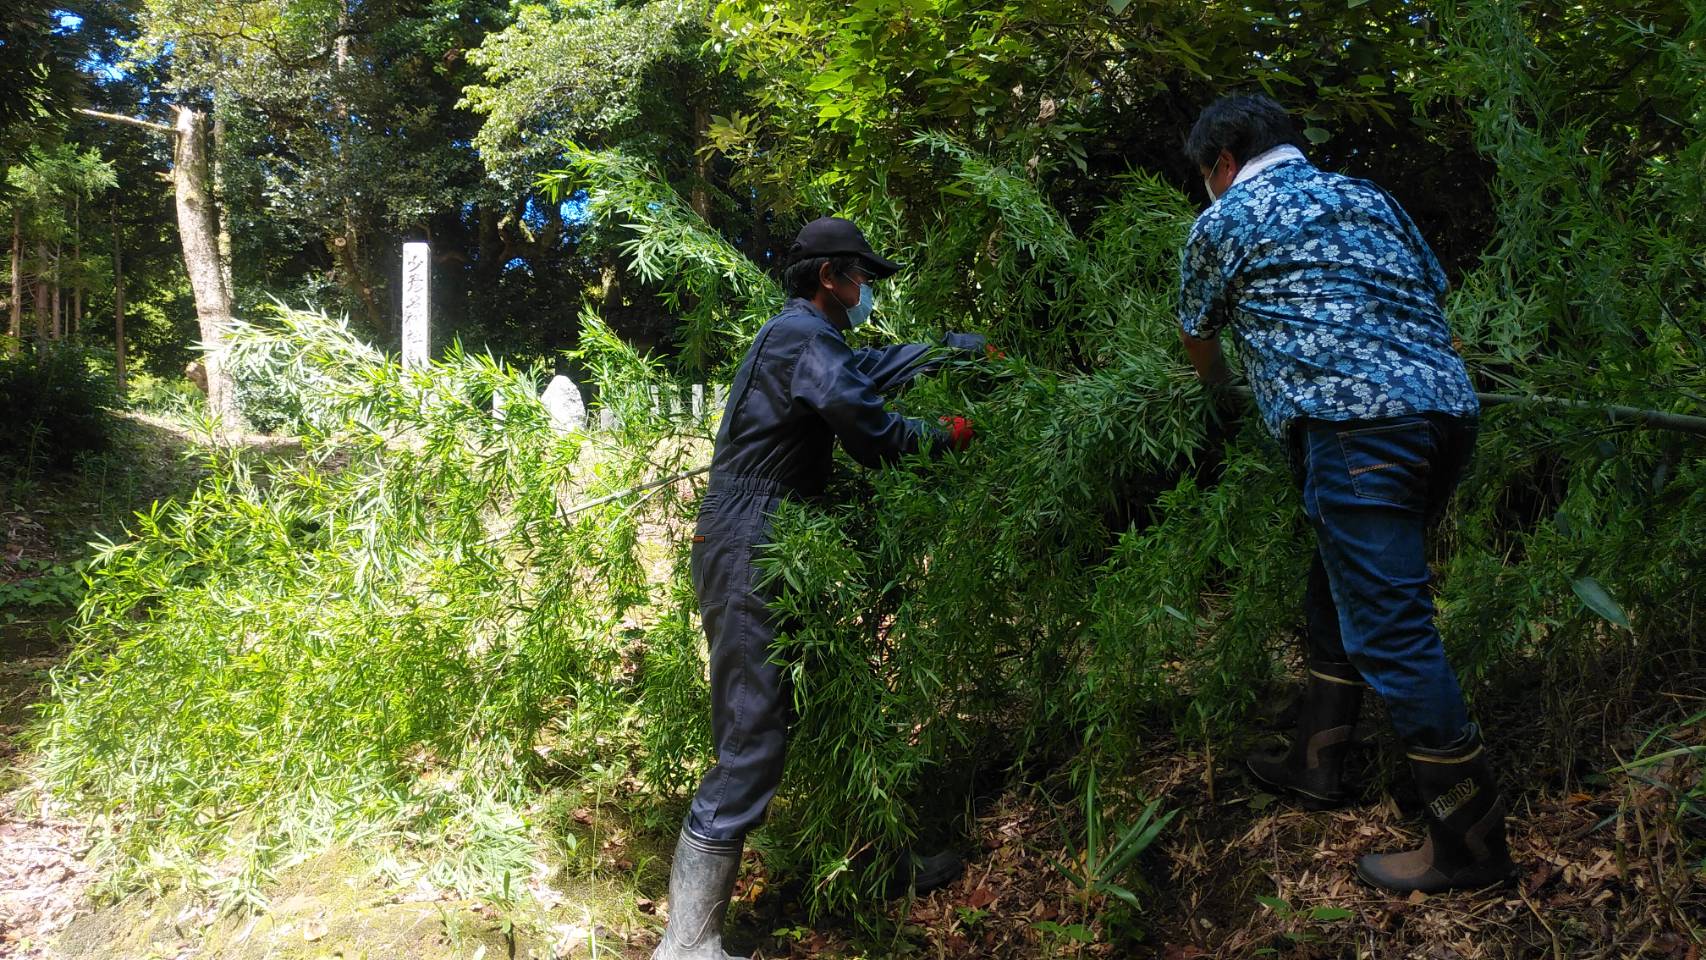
{"x": 799, "y": 389}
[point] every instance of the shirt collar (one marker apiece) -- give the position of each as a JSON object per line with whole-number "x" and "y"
{"x": 1266, "y": 159}
{"x": 801, "y": 303}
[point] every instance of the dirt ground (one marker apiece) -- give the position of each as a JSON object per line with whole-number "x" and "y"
{"x": 43, "y": 876}
{"x": 1609, "y": 859}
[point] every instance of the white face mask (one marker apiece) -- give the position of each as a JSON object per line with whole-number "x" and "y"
{"x": 1207, "y": 182}
{"x": 859, "y": 312}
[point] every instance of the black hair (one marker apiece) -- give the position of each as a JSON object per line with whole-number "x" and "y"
{"x": 799, "y": 278}
{"x": 1246, "y": 124}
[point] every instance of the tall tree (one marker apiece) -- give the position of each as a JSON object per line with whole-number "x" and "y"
{"x": 45, "y": 194}
{"x": 204, "y": 255}
{"x": 118, "y": 306}
{"x": 39, "y": 84}
{"x": 15, "y": 319}
{"x": 631, "y": 76}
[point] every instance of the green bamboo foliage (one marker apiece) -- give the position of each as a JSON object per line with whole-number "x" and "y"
{"x": 720, "y": 296}
{"x": 371, "y": 638}
{"x": 1110, "y": 563}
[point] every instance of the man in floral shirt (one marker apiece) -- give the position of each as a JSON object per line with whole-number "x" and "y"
{"x": 1334, "y": 300}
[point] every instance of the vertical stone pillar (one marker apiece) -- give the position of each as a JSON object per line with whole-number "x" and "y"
{"x": 417, "y": 344}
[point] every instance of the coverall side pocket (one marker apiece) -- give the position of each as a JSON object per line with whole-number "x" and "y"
{"x": 1390, "y": 463}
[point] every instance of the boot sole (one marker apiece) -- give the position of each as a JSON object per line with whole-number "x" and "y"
{"x": 1469, "y": 883}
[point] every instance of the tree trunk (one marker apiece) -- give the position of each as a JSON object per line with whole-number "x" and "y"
{"x": 58, "y": 326}
{"x": 700, "y": 195}
{"x": 219, "y": 200}
{"x": 44, "y": 320}
{"x": 77, "y": 265}
{"x": 118, "y": 308}
{"x": 198, "y": 232}
{"x": 15, "y": 326}
{"x": 198, "y": 229}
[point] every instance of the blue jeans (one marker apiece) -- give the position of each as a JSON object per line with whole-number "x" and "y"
{"x": 1370, "y": 489}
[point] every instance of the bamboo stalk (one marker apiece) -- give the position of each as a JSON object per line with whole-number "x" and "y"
{"x": 633, "y": 490}
{"x": 1651, "y": 419}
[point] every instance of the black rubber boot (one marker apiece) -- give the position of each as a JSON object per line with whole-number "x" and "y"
{"x": 919, "y": 874}
{"x": 1465, "y": 815}
{"x": 700, "y": 881}
{"x": 1313, "y": 768}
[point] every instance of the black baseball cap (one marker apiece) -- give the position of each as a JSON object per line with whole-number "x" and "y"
{"x": 833, "y": 237}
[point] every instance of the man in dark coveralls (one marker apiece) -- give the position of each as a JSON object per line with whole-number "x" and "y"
{"x": 799, "y": 389}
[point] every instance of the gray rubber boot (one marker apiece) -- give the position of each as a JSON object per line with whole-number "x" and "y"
{"x": 1313, "y": 769}
{"x": 1465, "y": 848}
{"x": 700, "y": 881}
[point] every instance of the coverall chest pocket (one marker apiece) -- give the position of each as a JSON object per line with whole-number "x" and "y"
{"x": 1390, "y": 462}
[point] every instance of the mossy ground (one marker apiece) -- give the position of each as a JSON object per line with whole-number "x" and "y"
{"x": 332, "y": 906}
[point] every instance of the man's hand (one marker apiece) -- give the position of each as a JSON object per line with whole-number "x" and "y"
{"x": 960, "y": 432}
{"x": 970, "y": 344}
{"x": 1207, "y": 358}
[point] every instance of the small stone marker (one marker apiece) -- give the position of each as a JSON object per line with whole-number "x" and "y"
{"x": 562, "y": 400}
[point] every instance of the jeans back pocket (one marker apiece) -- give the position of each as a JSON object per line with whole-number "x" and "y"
{"x": 1390, "y": 462}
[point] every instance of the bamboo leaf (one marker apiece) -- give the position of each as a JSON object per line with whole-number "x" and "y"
{"x": 1600, "y": 601}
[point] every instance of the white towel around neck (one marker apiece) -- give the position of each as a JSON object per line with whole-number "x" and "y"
{"x": 1266, "y": 159}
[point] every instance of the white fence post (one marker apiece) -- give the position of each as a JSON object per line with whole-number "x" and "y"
{"x": 568, "y": 411}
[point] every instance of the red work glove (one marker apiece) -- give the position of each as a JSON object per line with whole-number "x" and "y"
{"x": 992, "y": 353}
{"x": 959, "y": 432}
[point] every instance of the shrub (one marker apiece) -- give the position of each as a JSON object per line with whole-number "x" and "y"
{"x": 54, "y": 406}
{"x": 163, "y": 396}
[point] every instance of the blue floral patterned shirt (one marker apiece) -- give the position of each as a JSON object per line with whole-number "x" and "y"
{"x": 1333, "y": 297}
